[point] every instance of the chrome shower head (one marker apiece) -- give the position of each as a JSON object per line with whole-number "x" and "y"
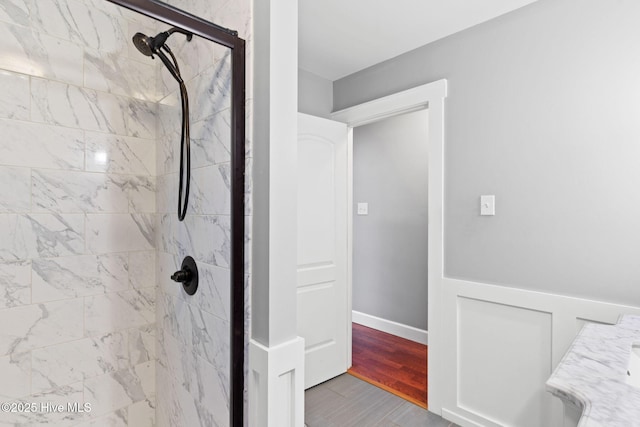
{"x": 144, "y": 44}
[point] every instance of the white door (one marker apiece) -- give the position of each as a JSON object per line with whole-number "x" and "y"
{"x": 322, "y": 291}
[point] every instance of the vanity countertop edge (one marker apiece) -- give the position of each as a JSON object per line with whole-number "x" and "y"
{"x": 592, "y": 375}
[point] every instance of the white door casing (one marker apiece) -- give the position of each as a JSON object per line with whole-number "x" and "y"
{"x": 322, "y": 294}
{"x": 431, "y": 96}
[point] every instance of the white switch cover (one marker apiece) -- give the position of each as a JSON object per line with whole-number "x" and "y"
{"x": 487, "y": 205}
{"x": 363, "y": 208}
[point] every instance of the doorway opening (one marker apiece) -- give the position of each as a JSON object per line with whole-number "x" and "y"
{"x": 325, "y": 319}
{"x": 389, "y": 233}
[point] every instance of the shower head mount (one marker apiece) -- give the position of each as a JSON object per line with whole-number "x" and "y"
{"x": 150, "y": 45}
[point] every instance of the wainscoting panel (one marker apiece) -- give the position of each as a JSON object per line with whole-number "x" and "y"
{"x": 487, "y": 330}
{"x": 501, "y": 344}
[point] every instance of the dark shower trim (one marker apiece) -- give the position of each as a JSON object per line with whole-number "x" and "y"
{"x": 185, "y": 20}
{"x": 210, "y": 31}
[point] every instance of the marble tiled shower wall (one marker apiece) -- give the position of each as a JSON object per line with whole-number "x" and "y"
{"x": 77, "y": 213}
{"x": 193, "y": 369}
{"x": 88, "y": 227}
{"x": 193, "y": 331}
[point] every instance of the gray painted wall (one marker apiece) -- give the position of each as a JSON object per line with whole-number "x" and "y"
{"x": 544, "y": 112}
{"x": 390, "y": 244}
{"x": 315, "y": 94}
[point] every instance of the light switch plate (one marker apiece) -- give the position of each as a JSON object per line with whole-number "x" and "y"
{"x": 363, "y": 209}
{"x": 488, "y": 205}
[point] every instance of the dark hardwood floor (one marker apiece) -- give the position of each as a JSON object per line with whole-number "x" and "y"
{"x": 392, "y": 363}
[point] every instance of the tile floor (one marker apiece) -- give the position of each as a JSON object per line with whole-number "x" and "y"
{"x": 346, "y": 401}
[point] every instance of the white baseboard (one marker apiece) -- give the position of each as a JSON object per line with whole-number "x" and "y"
{"x": 276, "y": 384}
{"x": 404, "y": 331}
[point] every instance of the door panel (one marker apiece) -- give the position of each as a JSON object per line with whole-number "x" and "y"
{"x": 322, "y": 247}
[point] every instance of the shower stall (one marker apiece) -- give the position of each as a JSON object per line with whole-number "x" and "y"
{"x": 99, "y": 145}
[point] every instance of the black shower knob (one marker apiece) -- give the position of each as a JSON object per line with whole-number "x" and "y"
{"x": 188, "y": 275}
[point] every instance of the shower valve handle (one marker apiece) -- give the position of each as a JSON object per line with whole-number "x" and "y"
{"x": 182, "y": 276}
{"x": 187, "y": 275}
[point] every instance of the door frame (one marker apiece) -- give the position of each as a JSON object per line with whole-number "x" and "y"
{"x": 429, "y": 96}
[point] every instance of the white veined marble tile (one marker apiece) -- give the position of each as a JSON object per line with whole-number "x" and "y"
{"x": 196, "y": 390}
{"x": 212, "y": 399}
{"x": 210, "y": 339}
{"x": 75, "y": 192}
{"x": 120, "y": 154}
{"x": 211, "y": 190}
{"x": 72, "y": 106}
{"x": 66, "y": 363}
{"x": 143, "y": 413}
{"x": 38, "y": 325}
{"x": 142, "y": 194}
{"x": 248, "y": 144}
{"x": 167, "y": 193}
{"x": 202, "y": 333}
{"x": 78, "y": 276}
{"x": 175, "y": 406}
{"x": 142, "y": 344}
{"x": 14, "y": 189}
{"x": 115, "y": 73}
{"x": 72, "y": 393}
{"x": 164, "y": 233}
{"x": 40, "y": 235}
{"x": 80, "y": 23}
{"x": 38, "y": 145}
{"x": 214, "y": 291}
{"x": 87, "y": 109}
{"x": 15, "y": 284}
{"x": 248, "y": 233}
{"x": 142, "y": 269}
{"x": 211, "y": 90}
{"x": 248, "y": 187}
{"x": 173, "y": 317}
{"x": 140, "y": 118}
{"x": 15, "y": 99}
{"x": 113, "y": 391}
{"x": 15, "y": 12}
{"x": 168, "y": 135}
{"x": 119, "y": 310}
{"x": 13, "y": 247}
{"x": 28, "y": 52}
{"x": 119, "y": 418}
{"x": 15, "y": 371}
{"x": 211, "y": 140}
{"x": 204, "y": 237}
{"x": 119, "y": 232}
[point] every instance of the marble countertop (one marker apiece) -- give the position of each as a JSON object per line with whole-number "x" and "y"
{"x": 592, "y": 375}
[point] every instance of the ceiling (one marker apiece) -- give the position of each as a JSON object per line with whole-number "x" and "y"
{"x": 340, "y": 37}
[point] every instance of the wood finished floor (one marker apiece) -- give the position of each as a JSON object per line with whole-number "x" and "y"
{"x": 347, "y": 401}
{"x": 395, "y": 364}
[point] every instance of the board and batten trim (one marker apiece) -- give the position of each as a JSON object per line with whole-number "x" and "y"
{"x": 567, "y": 315}
{"x": 389, "y": 326}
